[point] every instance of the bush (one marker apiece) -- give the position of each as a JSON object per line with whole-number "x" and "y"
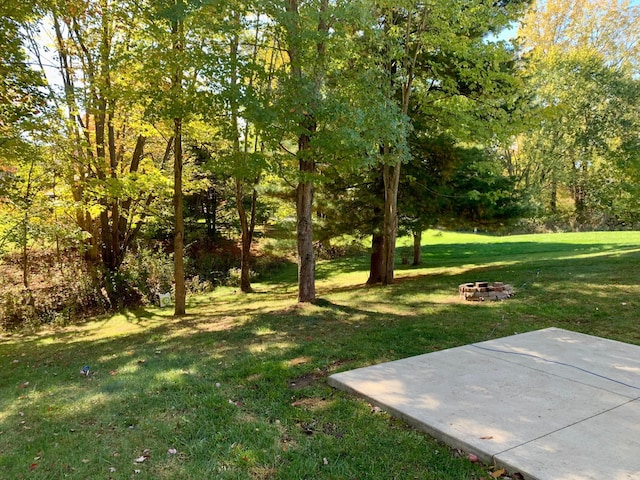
{"x": 63, "y": 292}
{"x": 149, "y": 272}
{"x": 233, "y": 279}
{"x": 210, "y": 261}
{"x": 197, "y": 286}
{"x": 326, "y": 251}
{"x": 267, "y": 265}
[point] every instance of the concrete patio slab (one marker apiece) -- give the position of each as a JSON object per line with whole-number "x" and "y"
{"x": 550, "y": 404}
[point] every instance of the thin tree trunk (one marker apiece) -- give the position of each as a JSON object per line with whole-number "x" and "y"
{"x": 25, "y": 227}
{"x": 391, "y": 171}
{"x": 390, "y": 230}
{"x": 246, "y": 227}
{"x": 25, "y": 254}
{"x": 553, "y": 202}
{"x": 417, "y": 247}
{"x": 178, "y": 236}
{"x": 375, "y": 265}
{"x": 304, "y": 190}
{"x": 304, "y": 228}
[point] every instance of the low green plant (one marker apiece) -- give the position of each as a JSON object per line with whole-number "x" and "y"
{"x": 233, "y": 278}
{"x": 149, "y": 271}
{"x": 58, "y": 295}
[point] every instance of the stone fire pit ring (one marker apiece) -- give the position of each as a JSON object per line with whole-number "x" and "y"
{"x": 481, "y": 291}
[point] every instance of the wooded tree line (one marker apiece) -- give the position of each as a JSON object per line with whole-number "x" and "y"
{"x": 368, "y": 117}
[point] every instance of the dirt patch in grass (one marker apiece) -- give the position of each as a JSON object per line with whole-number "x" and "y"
{"x": 262, "y": 473}
{"x": 312, "y": 378}
{"x": 306, "y": 380}
{"x": 314, "y": 427}
{"x": 312, "y": 403}
{"x": 336, "y": 364}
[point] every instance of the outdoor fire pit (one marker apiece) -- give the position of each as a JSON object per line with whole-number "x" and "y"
{"x": 481, "y": 291}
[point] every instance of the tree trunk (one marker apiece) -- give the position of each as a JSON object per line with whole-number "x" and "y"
{"x": 304, "y": 227}
{"x": 391, "y": 175}
{"x": 25, "y": 251}
{"x": 25, "y": 226}
{"x": 391, "y": 171}
{"x": 375, "y": 266}
{"x": 247, "y": 228}
{"x": 178, "y": 236}
{"x": 304, "y": 190}
{"x": 553, "y": 202}
{"x": 417, "y": 247}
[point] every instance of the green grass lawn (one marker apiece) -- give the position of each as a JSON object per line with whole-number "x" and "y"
{"x": 237, "y": 389}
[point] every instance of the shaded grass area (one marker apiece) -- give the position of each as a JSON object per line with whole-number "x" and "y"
{"x": 237, "y": 388}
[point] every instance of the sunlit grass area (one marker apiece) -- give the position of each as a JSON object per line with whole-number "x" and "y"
{"x": 237, "y": 388}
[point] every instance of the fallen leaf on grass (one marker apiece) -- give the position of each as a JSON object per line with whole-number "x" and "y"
{"x": 146, "y": 453}
{"x": 498, "y": 473}
{"x": 33, "y": 466}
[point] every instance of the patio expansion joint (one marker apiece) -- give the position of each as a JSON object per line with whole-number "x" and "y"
{"x": 560, "y": 363}
{"x": 495, "y": 456}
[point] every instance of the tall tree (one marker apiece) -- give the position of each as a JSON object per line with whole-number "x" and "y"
{"x": 172, "y": 50}
{"x": 106, "y": 145}
{"x": 247, "y": 95}
{"x": 177, "y": 33}
{"x": 328, "y": 105}
{"x": 582, "y": 66}
{"x": 308, "y": 126}
{"x": 440, "y": 66}
{"x": 20, "y": 105}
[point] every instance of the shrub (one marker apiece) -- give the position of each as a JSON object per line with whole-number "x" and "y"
{"x": 149, "y": 272}
{"x": 63, "y": 292}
